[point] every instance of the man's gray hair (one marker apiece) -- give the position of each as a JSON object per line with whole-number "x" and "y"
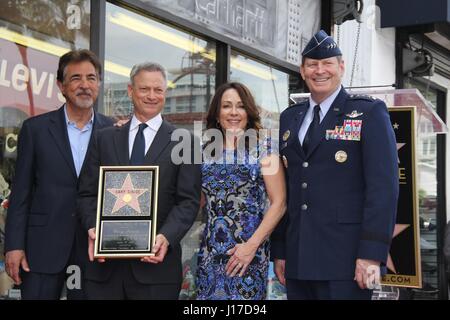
{"x": 147, "y": 66}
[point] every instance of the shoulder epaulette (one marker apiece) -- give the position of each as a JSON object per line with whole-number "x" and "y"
{"x": 300, "y": 102}
{"x": 361, "y": 97}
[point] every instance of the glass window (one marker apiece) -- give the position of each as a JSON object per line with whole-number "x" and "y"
{"x": 269, "y": 86}
{"x": 33, "y": 35}
{"x": 188, "y": 59}
{"x": 427, "y": 186}
{"x": 425, "y": 147}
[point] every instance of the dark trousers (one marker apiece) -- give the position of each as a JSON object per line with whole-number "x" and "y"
{"x": 42, "y": 286}
{"x": 325, "y": 290}
{"x": 122, "y": 285}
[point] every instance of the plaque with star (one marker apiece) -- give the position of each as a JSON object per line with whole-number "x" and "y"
{"x": 403, "y": 263}
{"x": 126, "y": 211}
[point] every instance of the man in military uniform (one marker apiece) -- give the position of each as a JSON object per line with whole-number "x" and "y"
{"x": 340, "y": 155}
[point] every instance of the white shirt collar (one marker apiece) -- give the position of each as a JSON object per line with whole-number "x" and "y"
{"x": 325, "y": 104}
{"x": 154, "y": 123}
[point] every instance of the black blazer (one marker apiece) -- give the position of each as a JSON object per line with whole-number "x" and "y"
{"x": 178, "y": 199}
{"x": 41, "y": 218}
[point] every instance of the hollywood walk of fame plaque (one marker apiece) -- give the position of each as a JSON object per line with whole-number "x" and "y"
{"x": 126, "y": 211}
{"x": 403, "y": 263}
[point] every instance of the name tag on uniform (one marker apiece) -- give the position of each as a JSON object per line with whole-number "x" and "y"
{"x": 350, "y": 130}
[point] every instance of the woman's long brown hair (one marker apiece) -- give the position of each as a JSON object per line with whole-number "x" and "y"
{"x": 253, "y": 118}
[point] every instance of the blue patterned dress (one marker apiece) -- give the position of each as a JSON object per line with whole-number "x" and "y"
{"x": 236, "y": 201}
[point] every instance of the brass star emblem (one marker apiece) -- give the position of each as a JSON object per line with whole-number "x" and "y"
{"x": 127, "y": 195}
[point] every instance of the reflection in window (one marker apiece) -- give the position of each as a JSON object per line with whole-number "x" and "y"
{"x": 59, "y": 22}
{"x": 33, "y": 35}
{"x": 189, "y": 61}
{"x": 427, "y": 185}
{"x": 269, "y": 87}
{"x": 425, "y": 147}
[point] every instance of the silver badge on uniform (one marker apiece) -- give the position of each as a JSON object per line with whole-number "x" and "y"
{"x": 341, "y": 156}
{"x": 354, "y": 114}
{"x": 285, "y": 162}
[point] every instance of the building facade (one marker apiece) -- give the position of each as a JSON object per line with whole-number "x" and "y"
{"x": 204, "y": 43}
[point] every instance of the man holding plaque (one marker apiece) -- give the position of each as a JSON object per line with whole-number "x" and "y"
{"x": 143, "y": 141}
{"x": 340, "y": 155}
{"x": 43, "y": 234}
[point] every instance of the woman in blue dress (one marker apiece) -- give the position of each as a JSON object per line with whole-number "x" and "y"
{"x": 244, "y": 194}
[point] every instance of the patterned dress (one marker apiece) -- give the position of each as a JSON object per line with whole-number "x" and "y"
{"x": 236, "y": 201}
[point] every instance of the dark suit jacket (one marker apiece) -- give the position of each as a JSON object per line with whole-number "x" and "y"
{"x": 338, "y": 211}
{"x": 178, "y": 199}
{"x": 42, "y": 214}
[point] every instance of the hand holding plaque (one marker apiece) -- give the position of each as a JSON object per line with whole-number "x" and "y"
{"x": 159, "y": 249}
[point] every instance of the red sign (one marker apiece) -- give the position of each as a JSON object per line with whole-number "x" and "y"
{"x": 28, "y": 79}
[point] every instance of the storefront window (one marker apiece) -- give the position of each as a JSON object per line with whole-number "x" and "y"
{"x": 188, "y": 59}
{"x": 427, "y": 186}
{"x": 33, "y": 35}
{"x": 269, "y": 86}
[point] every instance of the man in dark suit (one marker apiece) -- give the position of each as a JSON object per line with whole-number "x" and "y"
{"x": 145, "y": 140}
{"x": 42, "y": 230}
{"x": 342, "y": 175}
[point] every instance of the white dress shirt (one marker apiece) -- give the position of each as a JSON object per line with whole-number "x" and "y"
{"x": 153, "y": 126}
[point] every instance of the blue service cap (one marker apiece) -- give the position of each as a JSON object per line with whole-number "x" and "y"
{"x": 321, "y": 46}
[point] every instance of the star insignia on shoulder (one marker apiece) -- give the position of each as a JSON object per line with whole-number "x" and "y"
{"x": 299, "y": 102}
{"x": 354, "y": 114}
{"x": 303, "y": 100}
{"x": 362, "y": 97}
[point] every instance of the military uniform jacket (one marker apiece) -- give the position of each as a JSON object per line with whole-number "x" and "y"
{"x": 342, "y": 195}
